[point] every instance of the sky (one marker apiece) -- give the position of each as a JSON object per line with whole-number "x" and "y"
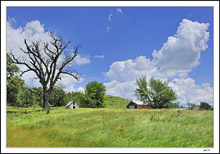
{"x": 119, "y": 44}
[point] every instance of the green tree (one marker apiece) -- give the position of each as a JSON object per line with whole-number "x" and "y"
{"x": 173, "y": 105}
{"x": 84, "y": 101}
{"x": 58, "y": 97}
{"x": 205, "y": 106}
{"x": 37, "y": 93}
{"x": 14, "y": 84}
{"x": 12, "y": 69}
{"x": 70, "y": 96}
{"x": 155, "y": 93}
{"x": 26, "y": 97}
{"x": 94, "y": 95}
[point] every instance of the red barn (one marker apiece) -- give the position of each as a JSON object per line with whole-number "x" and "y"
{"x": 137, "y": 105}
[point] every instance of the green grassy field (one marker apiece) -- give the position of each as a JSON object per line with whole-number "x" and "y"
{"x": 116, "y": 102}
{"x": 109, "y": 128}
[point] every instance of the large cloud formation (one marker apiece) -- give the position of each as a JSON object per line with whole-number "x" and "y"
{"x": 181, "y": 52}
{"x": 188, "y": 92}
{"x": 130, "y": 69}
{"x": 34, "y": 30}
{"x": 177, "y": 57}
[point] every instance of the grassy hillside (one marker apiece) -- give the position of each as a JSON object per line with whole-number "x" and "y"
{"x": 116, "y": 102}
{"x": 109, "y": 128}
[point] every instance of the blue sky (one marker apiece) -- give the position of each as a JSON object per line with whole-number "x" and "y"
{"x": 115, "y": 40}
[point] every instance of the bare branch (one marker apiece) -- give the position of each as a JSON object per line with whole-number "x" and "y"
{"x": 25, "y": 72}
{"x": 23, "y": 50}
{"x": 39, "y": 94}
{"x": 76, "y": 76}
{"x": 47, "y": 48}
{"x": 16, "y": 61}
{"x": 35, "y": 51}
{"x": 68, "y": 60}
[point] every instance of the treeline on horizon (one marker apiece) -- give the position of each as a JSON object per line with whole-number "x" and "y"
{"x": 94, "y": 96}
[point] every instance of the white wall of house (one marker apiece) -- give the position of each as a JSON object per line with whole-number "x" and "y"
{"x": 71, "y": 106}
{"x": 76, "y": 106}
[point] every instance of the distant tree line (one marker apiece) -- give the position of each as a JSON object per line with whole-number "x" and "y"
{"x": 201, "y": 106}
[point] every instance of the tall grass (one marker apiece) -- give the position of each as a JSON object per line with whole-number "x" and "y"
{"x": 110, "y": 128}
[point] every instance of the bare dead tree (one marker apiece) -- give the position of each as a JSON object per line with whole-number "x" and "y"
{"x": 44, "y": 63}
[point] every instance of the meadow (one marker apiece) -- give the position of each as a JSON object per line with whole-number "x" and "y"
{"x": 108, "y": 127}
{"x": 115, "y": 102}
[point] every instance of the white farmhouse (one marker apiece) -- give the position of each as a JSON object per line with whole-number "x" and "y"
{"x": 72, "y": 105}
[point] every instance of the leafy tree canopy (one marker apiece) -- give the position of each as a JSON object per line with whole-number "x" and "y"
{"x": 155, "y": 93}
{"x": 205, "y": 106}
{"x": 94, "y": 95}
{"x": 58, "y": 97}
{"x": 14, "y": 84}
{"x": 12, "y": 69}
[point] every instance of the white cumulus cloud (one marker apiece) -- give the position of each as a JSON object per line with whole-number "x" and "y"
{"x": 122, "y": 89}
{"x": 11, "y": 20}
{"x": 130, "y": 69}
{"x": 82, "y": 60}
{"x": 99, "y": 56}
{"x": 67, "y": 83}
{"x": 181, "y": 52}
{"x": 188, "y": 92}
{"x": 34, "y": 27}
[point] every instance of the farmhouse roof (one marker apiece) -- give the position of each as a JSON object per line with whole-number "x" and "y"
{"x": 138, "y": 102}
{"x": 70, "y": 103}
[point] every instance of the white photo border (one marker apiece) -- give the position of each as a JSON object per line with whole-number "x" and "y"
{"x": 214, "y": 4}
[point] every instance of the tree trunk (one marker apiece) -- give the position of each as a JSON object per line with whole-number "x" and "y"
{"x": 34, "y": 100}
{"x": 46, "y": 98}
{"x": 34, "y": 104}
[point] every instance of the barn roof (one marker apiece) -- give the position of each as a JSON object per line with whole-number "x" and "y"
{"x": 138, "y": 102}
{"x": 70, "y": 103}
